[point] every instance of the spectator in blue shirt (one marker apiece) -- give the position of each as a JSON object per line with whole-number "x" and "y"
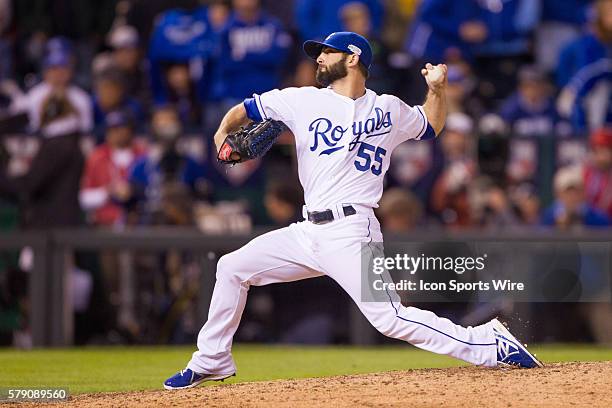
{"x": 179, "y": 54}
{"x": 530, "y": 111}
{"x": 570, "y": 210}
{"x": 508, "y": 26}
{"x": 471, "y": 28}
{"x": 443, "y": 27}
{"x": 253, "y": 48}
{"x": 593, "y": 46}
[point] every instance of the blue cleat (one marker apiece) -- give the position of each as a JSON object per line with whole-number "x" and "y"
{"x": 189, "y": 379}
{"x": 510, "y": 351}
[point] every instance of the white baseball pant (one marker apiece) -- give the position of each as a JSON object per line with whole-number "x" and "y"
{"x": 306, "y": 250}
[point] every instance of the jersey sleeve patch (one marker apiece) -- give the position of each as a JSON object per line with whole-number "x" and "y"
{"x": 252, "y": 110}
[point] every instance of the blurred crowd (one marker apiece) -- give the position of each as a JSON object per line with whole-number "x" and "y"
{"x": 108, "y": 108}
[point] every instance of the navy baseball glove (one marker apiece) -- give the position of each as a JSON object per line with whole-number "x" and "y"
{"x": 250, "y": 142}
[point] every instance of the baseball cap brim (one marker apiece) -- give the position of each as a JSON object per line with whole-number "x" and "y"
{"x": 313, "y": 48}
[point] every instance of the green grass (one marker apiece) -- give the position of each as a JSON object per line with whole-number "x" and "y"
{"x": 141, "y": 368}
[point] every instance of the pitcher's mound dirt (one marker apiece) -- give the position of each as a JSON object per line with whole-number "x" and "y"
{"x": 556, "y": 385}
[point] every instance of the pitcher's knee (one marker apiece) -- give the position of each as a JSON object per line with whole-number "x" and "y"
{"x": 228, "y": 266}
{"x": 387, "y": 327}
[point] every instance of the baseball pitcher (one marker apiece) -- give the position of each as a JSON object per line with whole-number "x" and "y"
{"x": 344, "y": 135}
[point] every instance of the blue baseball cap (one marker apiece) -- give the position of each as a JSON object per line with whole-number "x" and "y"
{"x": 345, "y": 41}
{"x": 59, "y": 44}
{"x": 57, "y": 59}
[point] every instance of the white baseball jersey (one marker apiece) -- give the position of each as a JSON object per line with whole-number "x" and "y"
{"x": 343, "y": 145}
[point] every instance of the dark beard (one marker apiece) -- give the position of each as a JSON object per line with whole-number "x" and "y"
{"x": 332, "y": 73}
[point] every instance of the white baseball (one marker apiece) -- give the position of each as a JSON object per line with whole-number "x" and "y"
{"x": 435, "y": 75}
